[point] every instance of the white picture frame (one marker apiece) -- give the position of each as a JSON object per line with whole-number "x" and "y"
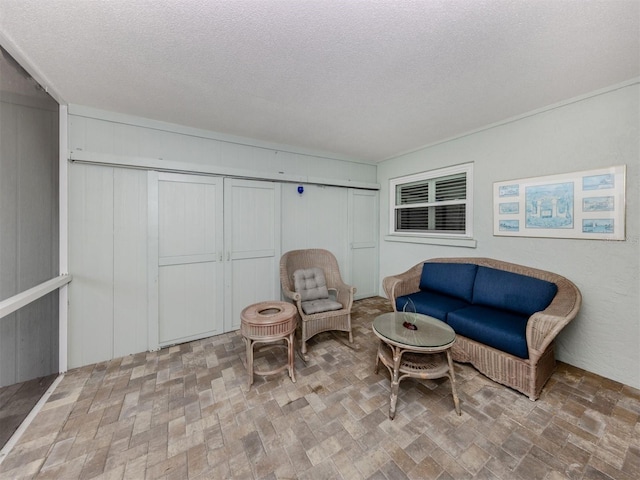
{"x": 589, "y": 205}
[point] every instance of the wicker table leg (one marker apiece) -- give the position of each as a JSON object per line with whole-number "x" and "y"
{"x": 292, "y": 355}
{"x": 249, "y": 347}
{"x": 452, "y": 378}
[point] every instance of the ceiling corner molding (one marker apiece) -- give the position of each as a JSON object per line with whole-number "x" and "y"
{"x": 23, "y": 60}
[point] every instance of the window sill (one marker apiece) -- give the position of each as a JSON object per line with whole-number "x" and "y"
{"x": 447, "y": 241}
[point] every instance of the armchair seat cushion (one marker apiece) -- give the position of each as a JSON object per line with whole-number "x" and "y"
{"x": 320, "y": 305}
{"x": 311, "y": 284}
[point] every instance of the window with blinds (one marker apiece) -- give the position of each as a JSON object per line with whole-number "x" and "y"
{"x": 433, "y": 203}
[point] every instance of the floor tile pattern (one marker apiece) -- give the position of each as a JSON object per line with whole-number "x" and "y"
{"x": 186, "y": 412}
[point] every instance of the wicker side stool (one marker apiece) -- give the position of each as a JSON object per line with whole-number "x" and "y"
{"x": 269, "y": 323}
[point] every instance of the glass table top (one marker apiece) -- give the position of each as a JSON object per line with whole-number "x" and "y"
{"x": 428, "y": 332}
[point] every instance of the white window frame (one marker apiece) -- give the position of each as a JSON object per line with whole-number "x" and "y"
{"x": 467, "y": 169}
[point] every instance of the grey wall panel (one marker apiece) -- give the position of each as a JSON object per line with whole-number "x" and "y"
{"x": 8, "y": 347}
{"x": 8, "y": 201}
{"x": 8, "y": 238}
{"x": 28, "y": 234}
{"x": 37, "y": 198}
{"x": 37, "y": 331}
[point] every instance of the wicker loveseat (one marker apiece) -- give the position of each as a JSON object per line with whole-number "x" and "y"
{"x": 505, "y": 315}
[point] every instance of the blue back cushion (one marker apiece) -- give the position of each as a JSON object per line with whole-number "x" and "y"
{"x": 453, "y": 279}
{"x": 512, "y": 291}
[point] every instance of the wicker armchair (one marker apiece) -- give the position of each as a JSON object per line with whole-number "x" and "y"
{"x": 324, "y": 321}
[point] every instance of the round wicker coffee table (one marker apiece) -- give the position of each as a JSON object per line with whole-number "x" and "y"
{"x": 417, "y": 346}
{"x": 271, "y": 323}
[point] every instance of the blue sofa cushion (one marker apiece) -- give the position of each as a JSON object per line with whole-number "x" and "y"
{"x": 431, "y": 303}
{"x": 499, "y": 329}
{"x": 453, "y": 279}
{"x": 512, "y": 291}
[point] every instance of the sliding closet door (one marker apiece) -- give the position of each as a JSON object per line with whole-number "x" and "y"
{"x": 363, "y": 241}
{"x": 252, "y": 244}
{"x": 185, "y": 253}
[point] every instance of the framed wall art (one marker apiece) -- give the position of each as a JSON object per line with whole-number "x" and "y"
{"x": 588, "y": 204}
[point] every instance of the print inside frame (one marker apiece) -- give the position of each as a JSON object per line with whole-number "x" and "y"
{"x": 588, "y": 204}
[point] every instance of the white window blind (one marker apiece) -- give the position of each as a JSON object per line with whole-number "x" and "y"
{"x": 432, "y": 203}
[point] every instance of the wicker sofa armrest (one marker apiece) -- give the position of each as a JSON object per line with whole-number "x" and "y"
{"x": 402, "y": 284}
{"x": 544, "y": 326}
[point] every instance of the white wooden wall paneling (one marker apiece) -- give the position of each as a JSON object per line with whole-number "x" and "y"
{"x": 111, "y": 249}
{"x": 317, "y": 218}
{"x": 153, "y": 248}
{"x": 108, "y": 250}
{"x": 363, "y": 241}
{"x": 91, "y": 243}
{"x": 322, "y": 214}
{"x": 129, "y": 262}
{"x": 122, "y": 140}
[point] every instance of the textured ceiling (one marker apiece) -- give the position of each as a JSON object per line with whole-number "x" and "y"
{"x": 364, "y": 80}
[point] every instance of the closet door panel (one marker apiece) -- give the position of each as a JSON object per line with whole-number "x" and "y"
{"x": 185, "y": 251}
{"x": 252, "y": 244}
{"x": 187, "y": 306}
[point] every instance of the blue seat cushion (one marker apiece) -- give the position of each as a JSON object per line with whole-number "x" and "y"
{"x": 430, "y": 303}
{"x": 453, "y": 279}
{"x": 499, "y": 329}
{"x": 512, "y": 291}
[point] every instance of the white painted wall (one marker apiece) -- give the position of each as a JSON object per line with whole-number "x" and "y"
{"x": 598, "y": 131}
{"x": 112, "y": 138}
{"x": 108, "y": 215}
{"x": 316, "y": 219}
